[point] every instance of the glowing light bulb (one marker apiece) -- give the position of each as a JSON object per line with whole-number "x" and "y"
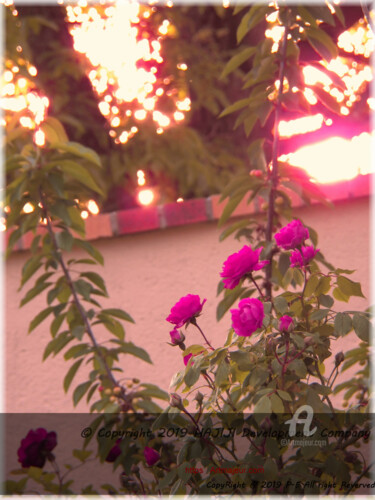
{"x": 28, "y": 208}
{"x": 39, "y": 138}
{"x": 146, "y": 196}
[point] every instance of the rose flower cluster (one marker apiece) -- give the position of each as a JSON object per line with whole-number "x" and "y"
{"x": 248, "y": 316}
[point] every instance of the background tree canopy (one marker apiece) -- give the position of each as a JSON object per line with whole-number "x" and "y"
{"x": 197, "y": 155}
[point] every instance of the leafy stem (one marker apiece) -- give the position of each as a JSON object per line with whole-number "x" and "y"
{"x": 273, "y": 170}
{"x": 76, "y": 300}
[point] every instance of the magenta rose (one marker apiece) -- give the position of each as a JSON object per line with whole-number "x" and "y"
{"x": 151, "y": 456}
{"x": 300, "y": 258}
{"x": 248, "y": 317}
{"x": 292, "y": 235}
{"x": 114, "y": 452}
{"x": 240, "y": 264}
{"x": 286, "y": 323}
{"x": 186, "y": 309}
{"x": 36, "y": 447}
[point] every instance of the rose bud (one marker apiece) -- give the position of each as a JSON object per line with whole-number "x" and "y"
{"x": 339, "y": 358}
{"x": 177, "y": 338}
{"x": 286, "y": 324}
{"x": 151, "y": 456}
{"x": 175, "y": 401}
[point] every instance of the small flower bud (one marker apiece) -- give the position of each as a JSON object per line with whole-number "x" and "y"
{"x": 339, "y": 358}
{"x": 108, "y": 391}
{"x": 136, "y": 380}
{"x": 117, "y": 390}
{"x": 199, "y": 397}
{"x": 286, "y": 324}
{"x": 175, "y": 401}
{"x": 177, "y": 337}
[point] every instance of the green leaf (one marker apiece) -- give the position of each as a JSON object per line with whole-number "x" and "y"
{"x": 319, "y": 314}
{"x": 255, "y": 14}
{"x": 323, "y": 286}
{"x": 78, "y": 224}
{"x": 56, "y": 324}
{"x": 56, "y": 344}
{"x": 71, "y": 373}
{"x": 153, "y": 391}
{"x": 321, "y": 43}
{"x": 263, "y": 405}
{"x": 326, "y": 99}
{"x": 77, "y": 171}
{"x": 53, "y": 130}
{"x": 311, "y": 285}
{"x": 82, "y": 455}
{"x": 339, "y": 295}
{"x": 237, "y": 60}
{"x": 78, "y": 332}
{"x": 119, "y": 313}
{"x": 80, "y": 391}
{"x": 90, "y": 250}
{"x": 361, "y": 327}
{"x": 343, "y": 323}
{"x": 96, "y": 279}
{"x": 281, "y": 304}
{"x": 326, "y": 300}
{"x": 235, "y": 106}
{"x": 192, "y": 375}
{"x": 30, "y": 268}
{"x": 76, "y": 351}
{"x": 83, "y": 288}
{"x": 232, "y": 228}
{"x": 349, "y": 287}
{"x": 284, "y": 395}
{"x": 40, "y": 317}
{"x": 276, "y": 404}
{"x": 33, "y": 292}
{"x": 130, "y": 348}
{"x": 78, "y": 150}
{"x": 222, "y": 374}
{"x": 60, "y": 211}
{"x": 64, "y": 240}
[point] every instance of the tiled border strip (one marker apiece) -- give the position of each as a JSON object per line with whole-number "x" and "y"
{"x": 137, "y": 220}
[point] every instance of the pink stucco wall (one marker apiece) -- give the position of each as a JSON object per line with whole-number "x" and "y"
{"x": 146, "y": 273}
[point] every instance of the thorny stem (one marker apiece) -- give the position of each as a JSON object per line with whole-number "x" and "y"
{"x": 275, "y": 153}
{"x": 74, "y": 293}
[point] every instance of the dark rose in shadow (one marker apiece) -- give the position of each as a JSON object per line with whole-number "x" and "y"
{"x": 36, "y": 447}
{"x": 114, "y": 452}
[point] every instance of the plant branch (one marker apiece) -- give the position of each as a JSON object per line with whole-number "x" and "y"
{"x": 74, "y": 293}
{"x": 273, "y": 174}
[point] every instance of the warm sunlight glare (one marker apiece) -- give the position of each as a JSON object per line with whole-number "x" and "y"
{"x": 335, "y": 159}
